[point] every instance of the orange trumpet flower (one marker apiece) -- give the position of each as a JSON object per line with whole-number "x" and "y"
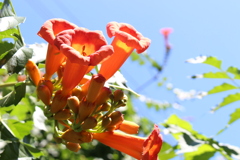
{"x": 137, "y": 147}
{"x": 48, "y": 32}
{"x": 126, "y": 40}
{"x": 83, "y": 49}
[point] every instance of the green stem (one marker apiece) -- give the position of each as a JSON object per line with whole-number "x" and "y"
{"x": 113, "y": 107}
{"x": 96, "y": 68}
{"x": 12, "y": 84}
{"x": 7, "y": 84}
{"x": 230, "y": 78}
{"x": 18, "y": 28}
{"x": 56, "y": 129}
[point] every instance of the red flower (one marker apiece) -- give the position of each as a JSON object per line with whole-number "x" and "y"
{"x": 137, "y": 147}
{"x": 126, "y": 40}
{"x": 83, "y": 49}
{"x": 48, "y": 31}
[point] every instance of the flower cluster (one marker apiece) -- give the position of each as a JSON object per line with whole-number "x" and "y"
{"x": 84, "y": 108}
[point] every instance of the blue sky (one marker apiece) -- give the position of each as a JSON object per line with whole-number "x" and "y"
{"x": 203, "y": 27}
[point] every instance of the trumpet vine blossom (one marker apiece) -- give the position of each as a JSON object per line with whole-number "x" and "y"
{"x": 48, "y": 32}
{"x": 83, "y": 49}
{"x": 137, "y": 147}
{"x": 126, "y": 39}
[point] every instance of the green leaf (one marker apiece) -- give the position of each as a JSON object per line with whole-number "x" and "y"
{"x": 134, "y": 56}
{"x": 196, "y": 146}
{"x": 41, "y": 65}
{"x": 219, "y": 132}
{"x": 234, "y": 116}
{"x": 5, "y": 46}
{"x": 215, "y": 75}
{"x": 153, "y": 62}
{"x": 177, "y": 125}
{"x": 8, "y": 17}
{"x": 6, "y": 9}
{"x": 228, "y": 151}
{"x": 10, "y": 22}
{"x": 15, "y": 149}
{"x": 175, "y": 120}
{"x": 4, "y": 110}
{"x": 213, "y": 61}
{"x": 157, "y": 105}
{"x": 190, "y": 140}
{"x": 227, "y": 100}
{"x": 19, "y": 60}
{"x": 11, "y": 150}
{"x": 7, "y": 100}
{"x": 212, "y": 75}
{"x": 20, "y": 89}
{"x": 9, "y": 34}
{"x": 164, "y": 79}
{"x": 20, "y": 130}
{"x": 34, "y": 151}
{"x": 221, "y": 88}
{"x": 3, "y": 72}
{"x": 6, "y": 133}
{"x": 8, "y": 54}
{"x": 15, "y": 96}
{"x": 167, "y": 152}
{"x": 23, "y": 110}
{"x": 12, "y": 79}
{"x": 204, "y": 152}
{"x": 137, "y": 57}
{"x": 235, "y": 71}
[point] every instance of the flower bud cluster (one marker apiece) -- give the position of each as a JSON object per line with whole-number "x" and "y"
{"x": 82, "y": 108}
{"x": 90, "y": 108}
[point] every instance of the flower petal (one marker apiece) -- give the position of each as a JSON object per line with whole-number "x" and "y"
{"x": 102, "y": 54}
{"x": 83, "y": 49}
{"x": 52, "y": 27}
{"x": 82, "y": 40}
{"x": 129, "y": 35}
{"x": 73, "y": 55}
{"x": 152, "y": 145}
{"x": 125, "y": 41}
{"x": 129, "y": 144}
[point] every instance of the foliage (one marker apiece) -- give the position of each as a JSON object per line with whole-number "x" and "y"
{"x": 194, "y": 145}
{"x": 231, "y": 74}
